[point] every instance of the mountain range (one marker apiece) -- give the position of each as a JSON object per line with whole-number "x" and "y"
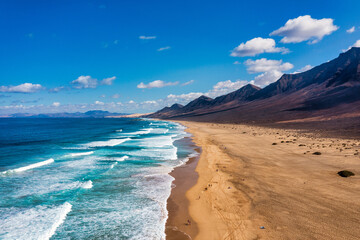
{"x": 330, "y": 91}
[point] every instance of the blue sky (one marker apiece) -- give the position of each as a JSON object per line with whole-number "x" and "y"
{"x": 138, "y": 56}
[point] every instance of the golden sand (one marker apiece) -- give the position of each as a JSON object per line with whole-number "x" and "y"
{"x": 262, "y": 183}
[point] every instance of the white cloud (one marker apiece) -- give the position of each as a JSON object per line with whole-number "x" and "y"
{"x": 257, "y": 46}
{"x": 85, "y": 82}
{"x": 89, "y": 82}
{"x": 115, "y": 96}
{"x": 181, "y": 98}
{"x": 237, "y": 62}
{"x": 164, "y": 48}
{"x": 150, "y": 102}
{"x": 303, "y": 69}
{"x": 305, "y": 28}
{"x": 265, "y": 65}
{"x": 225, "y": 87}
{"x": 266, "y": 78}
{"x": 56, "y": 89}
{"x": 147, "y": 37}
{"x": 156, "y": 84}
{"x": 188, "y": 83}
{"x": 131, "y": 102}
{"x": 356, "y": 44}
{"x": 99, "y": 103}
{"x": 108, "y": 81}
{"x": 218, "y": 89}
{"x": 56, "y": 104}
{"x": 351, "y": 30}
{"x": 22, "y": 88}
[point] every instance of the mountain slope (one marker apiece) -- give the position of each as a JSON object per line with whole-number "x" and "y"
{"x": 239, "y": 95}
{"x": 328, "y": 91}
{"x": 199, "y": 103}
{"x": 204, "y": 103}
{"x": 345, "y": 68}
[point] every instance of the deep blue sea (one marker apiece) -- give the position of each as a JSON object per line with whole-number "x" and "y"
{"x": 87, "y": 178}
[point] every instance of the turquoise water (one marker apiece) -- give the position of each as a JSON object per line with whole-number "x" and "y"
{"x": 87, "y": 178}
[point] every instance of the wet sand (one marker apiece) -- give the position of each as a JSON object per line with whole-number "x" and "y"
{"x": 265, "y": 183}
{"x": 180, "y": 224}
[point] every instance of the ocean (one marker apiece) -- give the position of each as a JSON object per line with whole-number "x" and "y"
{"x": 88, "y": 178}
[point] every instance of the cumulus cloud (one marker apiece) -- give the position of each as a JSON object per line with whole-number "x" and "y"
{"x": 218, "y": 89}
{"x": 188, "y": 83}
{"x": 99, "y": 103}
{"x": 56, "y": 104}
{"x": 89, "y": 82}
{"x": 305, "y": 28}
{"x": 356, "y": 44}
{"x": 257, "y": 46}
{"x": 147, "y": 37}
{"x": 115, "y": 96}
{"x": 266, "y": 78}
{"x": 156, "y": 84}
{"x": 22, "y": 88}
{"x": 303, "y": 69}
{"x": 108, "y": 81}
{"x": 181, "y": 98}
{"x": 85, "y": 82}
{"x": 225, "y": 87}
{"x": 163, "y": 48}
{"x": 351, "y": 30}
{"x": 265, "y": 65}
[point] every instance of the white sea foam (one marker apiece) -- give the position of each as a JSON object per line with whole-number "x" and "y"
{"x": 120, "y": 130}
{"x": 31, "y": 166}
{"x": 121, "y": 158}
{"x": 39, "y": 222}
{"x": 156, "y": 185}
{"x": 87, "y": 184}
{"x": 141, "y": 132}
{"x": 66, "y": 208}
{"x": 108, "y": 143}
{"x": 155, "y": 142}
{"x": 81, "y": 154}
{"x": 51, "y": 187}
{"x": 113, "y": 165}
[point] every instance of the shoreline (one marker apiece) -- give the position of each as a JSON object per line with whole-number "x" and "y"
{"x": 179, "y": 224}
{"x": 263, "y": 183}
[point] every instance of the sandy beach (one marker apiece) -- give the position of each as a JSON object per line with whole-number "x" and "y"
{"x": 263, "y": 183}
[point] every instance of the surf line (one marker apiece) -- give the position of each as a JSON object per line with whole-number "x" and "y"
{"x": 31, "y": 166}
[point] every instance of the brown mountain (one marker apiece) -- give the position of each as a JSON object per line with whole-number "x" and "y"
{"x": 169, "y": 111}
{"x": 328, "y": 92}
{"x": 199, "y": 103}
{"x": 241, "y": 95}
{"x": 344, "y": 69}
{"x": 204, "y": 103}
